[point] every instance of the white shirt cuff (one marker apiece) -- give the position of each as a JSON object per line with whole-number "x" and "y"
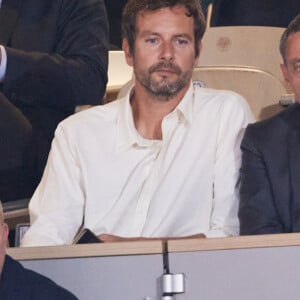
{"x": 3, "y": 63}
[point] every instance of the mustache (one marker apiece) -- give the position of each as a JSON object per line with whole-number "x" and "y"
{"x": 165, "y": 65}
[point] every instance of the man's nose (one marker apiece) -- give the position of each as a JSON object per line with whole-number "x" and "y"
{"x": 167, "y": 51}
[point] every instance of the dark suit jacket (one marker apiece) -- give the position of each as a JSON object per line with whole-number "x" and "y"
{"x": 114, "y": 11}
{"x": 57, "y": 56}
{"x": 18, "y": 283}
{"x": 270, "y": 175}
{"x": 276, "y": 13}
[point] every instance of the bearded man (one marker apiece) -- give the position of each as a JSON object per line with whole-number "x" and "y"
{"x": 162, "y": 162}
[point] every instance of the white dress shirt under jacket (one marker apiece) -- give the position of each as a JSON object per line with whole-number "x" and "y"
{"x": 3, "y": 61}
{"x": 101, "y": 173}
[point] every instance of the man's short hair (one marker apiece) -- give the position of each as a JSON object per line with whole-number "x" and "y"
{"x": 134, "y": 7}
{"x": 293, "y": 27}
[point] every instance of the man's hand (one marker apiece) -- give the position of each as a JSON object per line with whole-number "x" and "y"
{"x": 109, "y": 238}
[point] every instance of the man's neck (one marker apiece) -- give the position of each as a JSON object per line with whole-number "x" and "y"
{"x": 148, "y": 112}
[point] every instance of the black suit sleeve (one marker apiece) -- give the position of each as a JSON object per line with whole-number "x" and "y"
{"x": 257, "y": 213}
{"x": 74, "y": 72}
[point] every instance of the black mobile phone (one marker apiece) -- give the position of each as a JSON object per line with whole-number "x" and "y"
{"x": 86, "y": 236}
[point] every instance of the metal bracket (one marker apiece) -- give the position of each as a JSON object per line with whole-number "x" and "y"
{"x": 173, "y": 284}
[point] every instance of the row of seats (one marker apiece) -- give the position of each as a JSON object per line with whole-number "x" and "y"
{"x": 262, "y": 90}
{"x": 249, "y": 46}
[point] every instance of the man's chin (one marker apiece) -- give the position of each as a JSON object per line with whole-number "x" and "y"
{"x": 165, "y": 90}
{"x": 165, "y": 82}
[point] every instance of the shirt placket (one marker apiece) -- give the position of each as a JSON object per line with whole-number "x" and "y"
{"x": 146, "y": 193}
{"x": 153, "y": 170}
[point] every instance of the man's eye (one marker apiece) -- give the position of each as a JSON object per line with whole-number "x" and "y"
{"x": 181, "y": 42}
{"x": 151, "y": 40}
{"x": 297, "y": 67}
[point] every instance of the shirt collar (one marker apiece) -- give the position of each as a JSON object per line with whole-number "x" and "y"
{"x": 184, "y": 109}
{"x": 125, "y": 124}
{"x": 127, "y": 133}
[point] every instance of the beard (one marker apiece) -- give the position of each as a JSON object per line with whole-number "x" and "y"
{"x": 163, "y": 88}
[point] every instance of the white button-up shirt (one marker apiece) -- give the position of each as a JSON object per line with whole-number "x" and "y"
{"x": 102, "y": 175}
{"x": 3, "y": 61}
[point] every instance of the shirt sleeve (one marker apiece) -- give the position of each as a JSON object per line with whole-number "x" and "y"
{"x": 235, "y": 117}
{"x": 56, "y": 208}
{"x": 3, "y": 63}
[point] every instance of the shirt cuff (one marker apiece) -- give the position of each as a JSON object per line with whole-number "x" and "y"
{"x": 3, "y": 63}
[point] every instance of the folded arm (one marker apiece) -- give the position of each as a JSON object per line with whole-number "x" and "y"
{"x": 109, "y": 238}
{"x": 69, "y": 68}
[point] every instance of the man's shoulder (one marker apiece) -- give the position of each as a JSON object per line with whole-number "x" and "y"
{"x": 222, "y": 102}
{"x": 29, "y": 284}
{"x": 44, "y": 287}
{"x": 97, "y": 116}
{"x": 277, "y": 123}
{"x": 273, "y": 131}
{"x": 219, "y": 97}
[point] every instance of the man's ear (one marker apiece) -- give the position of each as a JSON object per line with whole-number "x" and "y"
{"x": 285, "y": 73}
{"x": 128, "y": 54}
{"x": 5, "y": 230}
{"x": 4, "y": 235}
{"x": 197, "y": 58}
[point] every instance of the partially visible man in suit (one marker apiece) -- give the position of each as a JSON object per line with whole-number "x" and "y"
{"x": 270, "y": 172}
{"x": 18, "y": 283}
{"x": 53, "y": 58}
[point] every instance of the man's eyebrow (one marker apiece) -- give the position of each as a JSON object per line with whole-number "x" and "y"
{"x": 184, "y": 35}
{"x": 149, "y": 32}
{"x": 294, "y": 60}
{"x": 179, "y": 35}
